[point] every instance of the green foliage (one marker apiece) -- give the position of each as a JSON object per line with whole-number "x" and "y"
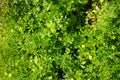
{"x": 60, "y": 39}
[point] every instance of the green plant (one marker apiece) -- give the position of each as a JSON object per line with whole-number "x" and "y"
{"x": 60, "y": 39}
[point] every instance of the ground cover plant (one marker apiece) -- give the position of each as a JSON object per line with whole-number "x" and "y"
{"x": 60, "y": 40}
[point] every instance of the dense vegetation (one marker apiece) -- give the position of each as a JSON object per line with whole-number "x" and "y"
{"x": 60, "y": 40}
